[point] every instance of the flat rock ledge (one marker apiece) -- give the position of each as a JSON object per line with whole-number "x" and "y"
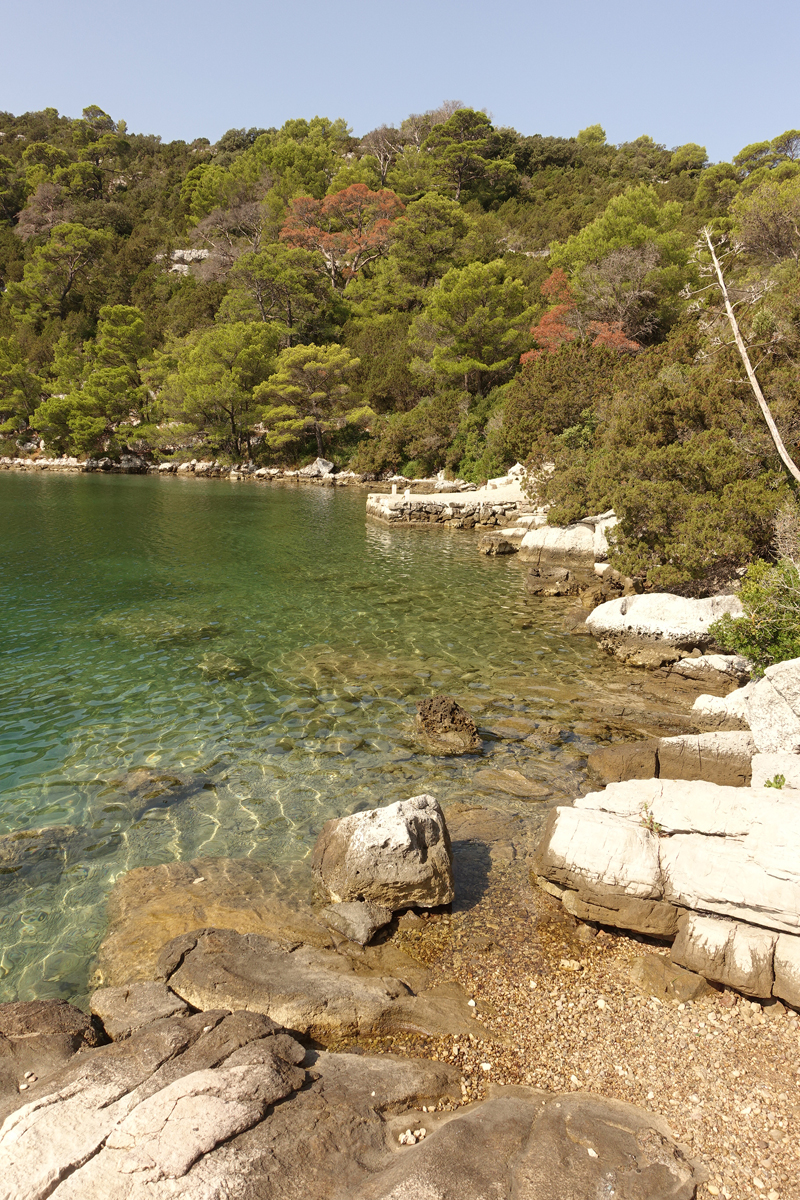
{"x": 714, "y": 869}
{"x": 224, "y": 1103}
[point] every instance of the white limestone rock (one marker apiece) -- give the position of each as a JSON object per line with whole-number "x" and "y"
{"x": 661, "y": 617}
{"x": 766, "y": 766}
{"x": 773, "y": 708}
{"x": 708, "y": 666}
{"x": 729, "y": 851}
{"x": 731, "y": 711}
{"x": 555, "y": 546}
{"x": 786, "y": 966}
{"x": 726, "y": 952}
{"x": 319, "y": 469}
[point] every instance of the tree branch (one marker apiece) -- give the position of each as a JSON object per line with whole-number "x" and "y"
{"x": 751, "y": 375}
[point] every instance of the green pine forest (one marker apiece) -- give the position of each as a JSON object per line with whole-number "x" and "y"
{"x": 446, "y": 295}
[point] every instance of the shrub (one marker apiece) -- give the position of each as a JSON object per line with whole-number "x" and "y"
{"x": 770, "y": 630}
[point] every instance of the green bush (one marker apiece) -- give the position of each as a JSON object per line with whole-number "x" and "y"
{"x": 770, "y": 630}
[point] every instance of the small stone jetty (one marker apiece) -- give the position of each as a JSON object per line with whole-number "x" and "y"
{"x": 496, "y": 503}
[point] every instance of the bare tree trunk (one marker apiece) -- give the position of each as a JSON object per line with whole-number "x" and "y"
{"x": 748, "y": 366}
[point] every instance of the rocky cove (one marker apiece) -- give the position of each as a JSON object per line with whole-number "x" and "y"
{"x": 554, "y": 1002}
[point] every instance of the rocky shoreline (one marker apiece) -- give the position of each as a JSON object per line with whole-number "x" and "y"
{"x": 497, "y": 1035}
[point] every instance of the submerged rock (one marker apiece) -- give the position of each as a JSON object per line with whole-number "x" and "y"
{"x": 39, "y": 852}
{"x": 397, "y": 856}
{"x": 149, "y": 906}
{"x": 510, "y": 782}
{"x": 447, "y": 727}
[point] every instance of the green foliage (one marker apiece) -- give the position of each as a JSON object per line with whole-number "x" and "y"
{"x": 109, "y": 397}
{"x": 473, "y": 327}
{"x": 777, "y": 781}
{"x": 213, "y": 382}
{"x": 309, "y": 387}
{"x": 465, "y": 149}
{"x": 769, "y": 631}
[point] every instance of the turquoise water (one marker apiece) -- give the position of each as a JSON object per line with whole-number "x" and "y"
{"x": 195, "y": 668}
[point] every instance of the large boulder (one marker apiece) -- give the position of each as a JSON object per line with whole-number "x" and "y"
{"x": 321, "y": 468}
{"x": 659, "y": 619}
{"x": 395, "y": 856}
{"x": 553, "y": 546}
{"x": 773, "y": 708}
{"x": 733, "y": 852}
{"x": 446, "y": 726}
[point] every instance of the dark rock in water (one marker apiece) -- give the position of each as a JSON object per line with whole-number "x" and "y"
{"x": 37, "y": 1037}
{"x": 447, "y": 726}
{"x": 358, "y": 920}
{"x": 40, "y": 852}
{"x": 143, "y": 789}
{"x": 397, "y": 856}
{"x": 123, "y": 1010}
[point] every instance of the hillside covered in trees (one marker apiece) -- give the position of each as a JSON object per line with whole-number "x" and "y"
{"x": 446, "y": 295}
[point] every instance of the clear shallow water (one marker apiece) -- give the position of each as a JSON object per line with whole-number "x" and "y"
{"x": 197, "y": 668}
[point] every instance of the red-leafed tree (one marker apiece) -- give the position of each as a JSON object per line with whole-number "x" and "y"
{"x": 611, "y": 334}
{"x": 349, "y": 229}
{"x": 564, "y": 323}
{"x": 556, "y": 326}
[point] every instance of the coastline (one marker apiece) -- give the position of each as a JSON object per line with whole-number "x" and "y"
{"x": 689, "y": 1056}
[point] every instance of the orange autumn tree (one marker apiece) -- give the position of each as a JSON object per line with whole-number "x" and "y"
{"x": 563, "y": 323}
{"x": 349, "y": 229}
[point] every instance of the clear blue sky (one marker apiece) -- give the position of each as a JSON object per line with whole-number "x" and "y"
{"x": 719, "y": 72}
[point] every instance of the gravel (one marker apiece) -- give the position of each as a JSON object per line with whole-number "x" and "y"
{"x": 563, "y": 1015}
